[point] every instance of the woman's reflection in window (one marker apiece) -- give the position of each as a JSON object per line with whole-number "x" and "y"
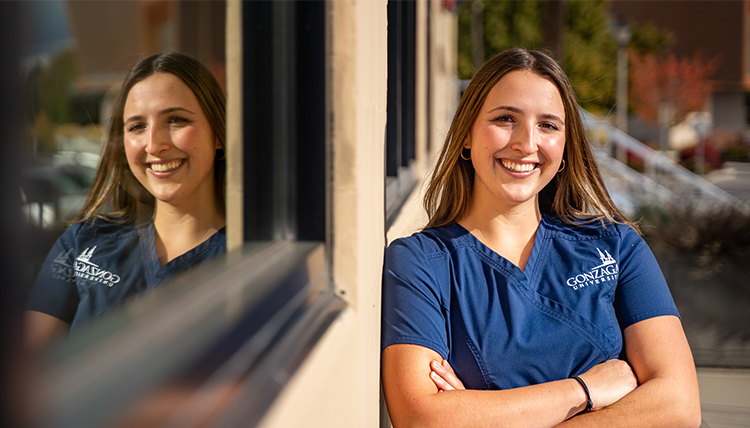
{"x": 156, "y": 207}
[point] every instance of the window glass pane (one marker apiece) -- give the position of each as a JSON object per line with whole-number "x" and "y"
{"x": 401, "y": 119}
{"x": 77, "y": 55}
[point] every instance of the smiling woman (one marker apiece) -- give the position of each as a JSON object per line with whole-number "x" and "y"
{"x": 523, "y": 298}
{"x": 156, "y": 207}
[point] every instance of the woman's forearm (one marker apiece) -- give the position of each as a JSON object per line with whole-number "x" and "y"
{"x": 668, "y": 396}
{"x": 415, "y": 401}
{"x": 544, "y": 405}
{"x": 654, "y": 404}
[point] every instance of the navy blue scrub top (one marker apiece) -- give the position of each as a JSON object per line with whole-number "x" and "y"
{"x": 96, "y": 265}
{"x": 501, "y": 327}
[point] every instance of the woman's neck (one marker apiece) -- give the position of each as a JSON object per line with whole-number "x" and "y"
{"x": 178, "y": 230}
{"x": 509, "y": 231}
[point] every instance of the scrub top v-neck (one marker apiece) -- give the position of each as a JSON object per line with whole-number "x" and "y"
{"x": 96, "y": 265}
{"x": 500, "y": 261}
{"x": 501, "y": 327}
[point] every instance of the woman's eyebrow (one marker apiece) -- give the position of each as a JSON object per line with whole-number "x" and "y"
{"x": 173, "y": 109}
{"x": 509, "y": 108}
{"x": 551, "y": 116}
{"x": 162, "y": 112}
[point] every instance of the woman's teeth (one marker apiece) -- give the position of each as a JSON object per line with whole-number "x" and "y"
{"x": 165, "y": 167}
{"x": 518, "y": 167}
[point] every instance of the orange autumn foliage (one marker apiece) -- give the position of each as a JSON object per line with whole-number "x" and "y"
{"x": 683, "y": 82}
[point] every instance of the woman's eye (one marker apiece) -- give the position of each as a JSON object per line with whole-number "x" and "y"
{"x": 550, "y": 126}
{"x": 135, "y": 127}
{"x": 177, "y": 119}
{"x": 503, "y": 119}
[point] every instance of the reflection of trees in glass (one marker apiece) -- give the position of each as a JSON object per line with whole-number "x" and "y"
{"x": 49, "y": 101}
{"x": 589, "y": 46}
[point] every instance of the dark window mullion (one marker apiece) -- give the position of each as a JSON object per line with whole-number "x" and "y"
{"x": 258, "y": 156}
{"x": 284, "y": 123}
{"x": 393, "y": 126}
{"x": 309, "y": 124}
{"x": 408, "y": 82}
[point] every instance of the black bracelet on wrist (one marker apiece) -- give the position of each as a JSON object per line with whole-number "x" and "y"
{"x": 589, "y": 403}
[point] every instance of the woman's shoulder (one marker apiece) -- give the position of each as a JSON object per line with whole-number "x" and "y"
{"x": 430, "y": 243}
{"x": 103, "y": 228}
{"x": 592, "y": 229}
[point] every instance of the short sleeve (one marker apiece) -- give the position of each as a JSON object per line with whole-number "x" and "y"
{"x": 55, "y": 292}
{"x": 412, "y": 311}
{"x": 642, "y": 291}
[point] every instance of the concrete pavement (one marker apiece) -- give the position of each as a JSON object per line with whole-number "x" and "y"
{"x": 725, "y": 397}
{"x": 733, "y": 178}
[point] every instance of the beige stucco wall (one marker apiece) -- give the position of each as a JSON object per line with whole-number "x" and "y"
{"x": 234, "y": 195}
{"x": 339, "y": 383}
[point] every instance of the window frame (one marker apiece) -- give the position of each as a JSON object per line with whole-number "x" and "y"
{"x": 229, "y": 336}
{"x": 401, "y": 108}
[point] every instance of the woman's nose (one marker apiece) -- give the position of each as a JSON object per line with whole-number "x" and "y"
{"x": 524, "y": 139}
{"x": 157, "y": 140}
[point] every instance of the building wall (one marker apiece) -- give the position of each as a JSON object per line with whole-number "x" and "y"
{"x": 715, "y": 27}
{"x": 112, "y": 35}
{"x": 106, "y": 36}
{"x": 339, "y": 383}
{"x": 728, "y": 108}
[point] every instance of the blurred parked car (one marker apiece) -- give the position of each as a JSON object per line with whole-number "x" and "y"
{"x": 53, "y": 189}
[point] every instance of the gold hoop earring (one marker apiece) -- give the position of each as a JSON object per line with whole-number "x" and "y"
{"x": 562, "y": 167}
{"x": 462, "y": 154}
{"x": 223, "y": 154}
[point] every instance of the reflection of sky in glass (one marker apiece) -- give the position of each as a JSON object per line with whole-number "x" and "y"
{"x": 46, "y": 27}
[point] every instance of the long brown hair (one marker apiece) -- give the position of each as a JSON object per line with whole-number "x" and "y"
{"x": 576, "y": 194}
{"x": 116, "y": 194}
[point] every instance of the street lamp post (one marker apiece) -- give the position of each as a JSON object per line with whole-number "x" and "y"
{"x": 622, "y": 35}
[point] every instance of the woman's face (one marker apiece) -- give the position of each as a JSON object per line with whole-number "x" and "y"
{"x": 169, "y": 143}
{"x": 517, "y": 139}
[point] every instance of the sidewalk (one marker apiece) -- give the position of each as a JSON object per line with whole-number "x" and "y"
{"x": 733, "y": 178}
{"x": 725, "y": 397}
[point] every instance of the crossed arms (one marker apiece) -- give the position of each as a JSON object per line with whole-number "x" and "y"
{"x": 658, "y": 388}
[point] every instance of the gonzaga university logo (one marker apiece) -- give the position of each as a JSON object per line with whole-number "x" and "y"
{"x": 86, "y": 269}
{"x": 607, "y": 271}
{"x": 62, "y": 269}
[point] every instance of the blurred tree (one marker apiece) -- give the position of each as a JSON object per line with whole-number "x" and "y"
{"x": 43, "y": 132}
{"x": 650, "y": 39}
{"x": 589, "y": 51}
{"x": 49, "y": 86}
{"x": 506, "y": 24}
{"x": 682, "y": 83}
{"x": 591, "y": 54}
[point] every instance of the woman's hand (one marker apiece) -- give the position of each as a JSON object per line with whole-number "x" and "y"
{"x": 443, "y": 376}
{"x": 609, "y": 381}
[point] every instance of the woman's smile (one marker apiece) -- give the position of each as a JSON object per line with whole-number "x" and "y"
{"x": 168, "y": 166}
{"x": 514, "y": 166}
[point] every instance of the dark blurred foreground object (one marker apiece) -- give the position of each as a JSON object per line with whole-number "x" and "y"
{"x": 12, "y": 255}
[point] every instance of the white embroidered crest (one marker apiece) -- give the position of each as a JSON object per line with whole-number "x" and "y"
{"x": 89, "y": 270}
{"x": 606, "y": 271}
